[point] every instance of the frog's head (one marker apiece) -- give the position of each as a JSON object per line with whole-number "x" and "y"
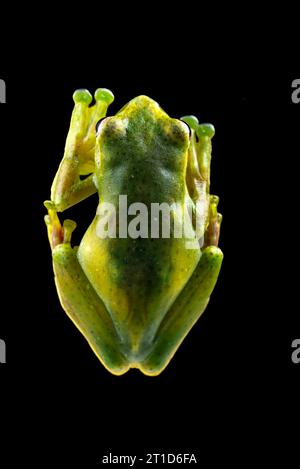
{"x": 143, "y": 131}
{"x": 142, "y": 138}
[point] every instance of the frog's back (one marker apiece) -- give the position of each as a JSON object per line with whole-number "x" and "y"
{"x": 141, "y": 153}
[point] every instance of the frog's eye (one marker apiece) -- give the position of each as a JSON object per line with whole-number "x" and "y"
{"x": 190, "y": 132}
{"x": 98, "y": 124}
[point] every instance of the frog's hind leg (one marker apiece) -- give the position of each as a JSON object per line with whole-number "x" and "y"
{"x": 78, "y": 298}
{"x": 186, "y": 310}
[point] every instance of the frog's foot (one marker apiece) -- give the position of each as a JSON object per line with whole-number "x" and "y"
{"x": 198, "y": 182}
{"x": 69, "y": 187}
{"x": 57, "y": 234}
{"x": 82, "y": 133}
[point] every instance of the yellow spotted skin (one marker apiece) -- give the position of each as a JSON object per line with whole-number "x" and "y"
{"x": 135, "y": 300}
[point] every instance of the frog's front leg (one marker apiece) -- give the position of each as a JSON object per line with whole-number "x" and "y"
{"x": 74, "y": 179}
{"x": 184, "y": 313}
{"x": 78, "y": 298}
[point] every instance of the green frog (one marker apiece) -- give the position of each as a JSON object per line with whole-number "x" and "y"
{"x": 135, "y": 298}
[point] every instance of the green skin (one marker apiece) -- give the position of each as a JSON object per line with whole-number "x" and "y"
{"x": 134, "y": 300}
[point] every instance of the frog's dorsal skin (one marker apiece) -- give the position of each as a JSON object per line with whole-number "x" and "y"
{"x": 141, "y": 152}
{"x": 135, "y": 298}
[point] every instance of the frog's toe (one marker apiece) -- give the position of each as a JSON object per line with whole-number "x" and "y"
{"x": 201, "y": 130}
{"x": 205, "y": 130}
{"x": 57, "y": 234}
{"x": 68, "y": 228}
{"x": 103, "y": 94}
{"x": 191, "y": 121}
{"x": 82, "y": 96}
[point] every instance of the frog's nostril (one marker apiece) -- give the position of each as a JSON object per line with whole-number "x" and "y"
{"x": 98, "y": 124}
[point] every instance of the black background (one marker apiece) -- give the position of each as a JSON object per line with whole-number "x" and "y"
{"x": 229, "y": 394}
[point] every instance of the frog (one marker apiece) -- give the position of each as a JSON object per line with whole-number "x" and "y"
{"x": 134, "y": 299}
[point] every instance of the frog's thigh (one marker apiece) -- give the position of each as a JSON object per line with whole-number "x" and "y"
{"x": 86, "y": 309}
{"x": 185, "y": 311}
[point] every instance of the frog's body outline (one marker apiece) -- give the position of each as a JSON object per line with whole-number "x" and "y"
{"x": 134, "y": 300}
